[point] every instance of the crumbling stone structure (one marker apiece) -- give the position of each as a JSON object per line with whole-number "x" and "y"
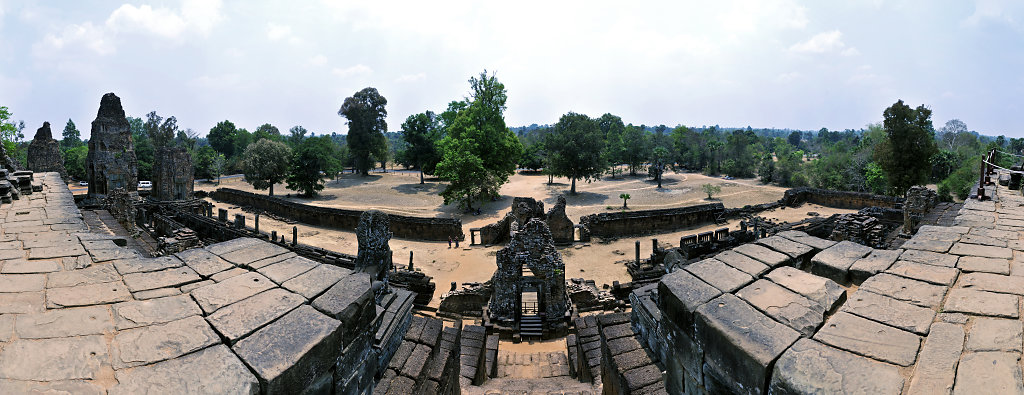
{"x": 919, "y": 200}
{"x": 650, "y": 221}
{"x": 172, "y": 174}
{"x": 6, "y": 162}
{"x": 524, "y": 209}
{"x": 837, "y": 199}
{"x": 530, "y": 266}
{"x": 111, "y": 161}
{"x": 374, "y": 256}
{"x": 44, "y": 153}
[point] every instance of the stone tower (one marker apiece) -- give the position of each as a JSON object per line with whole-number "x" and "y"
{"x": 172, "y": 174}
{"x": 44, "y": 153}
{"x": 530, "y": 280}
{"x": 111, "y": 161}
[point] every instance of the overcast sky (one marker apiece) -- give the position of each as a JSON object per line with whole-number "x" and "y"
{"x": 763, "y": 63}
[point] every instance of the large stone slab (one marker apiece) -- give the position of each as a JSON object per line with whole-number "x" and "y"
{"x": 91, "y": 275}
{"x": 238, "y": 320}
{"x": 890, "y": 311}
{"x": 936, "y": 365}
{"x": 139, "y": 265}
{"x": 681, "y": 294}
{"x": 232, "y": 245}
{"x": 981, "y": 250}
{"x": 56, "y": 387}
{"x": 865, "y": 337}
{"x": 950, "y": 234}
{"x": 22, "y": 282}
{"x": 975, "y": 302}
{"x": 253, "y": 253}
{"x": 71, "y": 358}
{"x": 784, "y": 306}
{"x": 350, "y": 301}
{"x": 204, "y": 262}
{"x": 993, "y": 283}
{"x": 271, "y": 260}
{"x": 215, "y": 296}
{"x": 786, "y": 246}
{"x": 982, "y": 264}
{"x": 740, "y": 343}
{"x": 876, "y": 262}
{"x": 826, "y": 293}
{"x": 56, "y": 251}
{"x": 155, "y": 343}
{"x": 25, "y": 266}
{"x": 87, "y": 295}
{"x": 292, "y": 352}
{"x": 810, "y": 367}
{"x": 138, "y": 313}
{"x": 287, "y": 269}
{"x": 174, "y": 277}
{"x": 719, "y": 275}
{"x": 913, "y": 291}
{"x": 316, "y": 280}
{"x": 931, "y": 258}
{"x": 926, "y": 244}
{"x": 746, "y": 264}
{"x": 94, "y": 320}
{"x": 21, "y": 303}
{"x": 835, "y": 262}
{"x": 995, "y": 334}
{"x": 764, "y": 254}
{"x": 984, "y": 240}
{"x": 919, "y": 271}
{"x": 110, "y": 254}
{"x": 995, "y": 372}
{"x": 214, "y": 370}
{"x": 806, "y": 239}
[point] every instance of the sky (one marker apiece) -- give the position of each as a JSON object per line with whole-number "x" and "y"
{"x": 734, "y": 63}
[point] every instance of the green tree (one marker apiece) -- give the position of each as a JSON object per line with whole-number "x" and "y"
{"x": 766, "y": 170}
{"x": 875, "y": 179}
{"x": 660, "y": 158}
{"x": 72, "y": 137}
{"x": 296, "y": 135}
{"x": 625, "y": 197}
{"x": 265, "y": 163}
{"x": 204, "y": 159}
{"x": 478, "y": 152}
{"x": 144, "y": 149}
{"x": 794, "y": 138}
{"x": 366, "y": 126}
{"x": 310, "y": 162}
{"x": 242, "y": 140}
{"x": 222, "y": 138}
{"x": 711, "y": 190}
{"x": 266, "y": 131}
{"x": 576, "y": 143}
{"x": 10, "y": 134}
{"x": 420, "y": 131}
{"x": 909, "y": 144}
{"x": 74, "y": 162}
{"x": 534, "y": 156}
{"x": 635, "y": 144}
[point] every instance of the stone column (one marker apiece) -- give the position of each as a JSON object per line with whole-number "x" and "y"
{"x": 295, "y": 235}
{"x": 239, "y": 221}
{"x": 638, "y": 252}
{"x": 222, "y": 215}
{"x": 410, "y": 261}
{"x": 256, "y": 223}
{"x": 654, "y": 246}
{"x": 273, "y": 235}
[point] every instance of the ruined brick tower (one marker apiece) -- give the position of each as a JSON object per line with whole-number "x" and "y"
{"x": 111, "y": 161}
{"x": 172, "y": 174}
{"x": 529, "y": 284}
{"x": 44, "y": 153}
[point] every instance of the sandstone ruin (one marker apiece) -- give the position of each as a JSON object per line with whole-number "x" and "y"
{"x": 172, "y": 174}
{"x": 44, "y": 153}
{"x": 111, "y": 161}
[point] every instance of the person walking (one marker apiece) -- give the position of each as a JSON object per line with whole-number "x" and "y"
{"x": 449, "y": 242}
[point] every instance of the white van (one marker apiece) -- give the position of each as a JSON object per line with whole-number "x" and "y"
{"x": 145, "y": 184}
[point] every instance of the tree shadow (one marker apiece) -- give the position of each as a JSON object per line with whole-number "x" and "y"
{"x": 351, "y": 180}
{"x": 417, "y": 188}
{"x": 580, "y": 198}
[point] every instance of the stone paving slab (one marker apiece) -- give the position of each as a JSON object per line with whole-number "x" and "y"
{"x": 110, "y": 254}
{"x": 786, "y": 246}
{"x": 719, "y": 275}
{"x": 204, "y": 262}
{"x": 155, "y": 343}
{"x": 917, "y": 292}
{"x": 138, "y": 313}
{"x": 21, "y": 303}
{"x": 974, "y": 302}
{"x": 806, "y": 239}
{"x": 936, "y": 366}
{"x": 10, "y": 283}
{"x": 94, "y": 320}
{"x": 140, "y": 265}
{"x": 784, "y": 306}
{"x": 220, "y": 277}
{"x": 53, "y": 387}
{"x": 12, "y": 254}
{"x": 826, "y": 293}
{"x": 350, "y": 301}
{"x": 746, "y": 264}
{"x": 87, "y": 295}
{"x": 876, "y": 262}
{"x": 238, "y": 320}
{"x": 682, "y": 294}
{"x": 54, "y": 359}
{"x": 995, "y": 334}
{"x": 919, "y": 271}
{"x": 24, "y": 266}
{"x": 982, "y": 264}
{"x": 928, "y": 257}
{"x": 981, "y": 250}
{"x": 173, "y": 277}
{"x": 940, "y": 246}
{"x": 890, "y": 311}
{"x": 865, "y": 337}
{"x": 810, "y": 367}
{"x": 763, "y": 254}
{"x": 287, "y": 269}
{"x": 992, "y": 283}
{"x": 316, "y": 280}
{"x": 983, "y": 240}
{"x": 156, "y": 293}
{"x": 835, "y": 262}
{"x": 215, "y": 296}
{"x": 245, "y": 256}
{"x": 996, "y": 372}
{"x": 92, "y": 275}
{"x": 214, "y": 370}
{"x": 233, "y": 245}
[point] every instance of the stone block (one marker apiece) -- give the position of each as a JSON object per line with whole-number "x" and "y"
{"x": 993, "y": 283}
{"x": 23, "y": 266}
{"x": 138, "y": 313}
{"x": 919, "y": 271}
{"x": 225, "y": 247}
{"x": 810, "y": 367}
{"x": 215, "y": 296}
{"x": 974, "y": 302}
{"x": 786, "y": 246}
{"x": 804, "y": 238}
{"x": 936, "y": 365}
{"x": 271, "y": 260}
{"x": 196, "y": 285}
{"x": 287, "y": 269}
{"x": 719, "y": 275}
{"x": 996, "y": 372}
{"x": 91, "y": 275}
{"x": 155, "y": 343}
{"x": 72, "y": 358}
{"x": 784, "y": 306}
{"x": 238, "y": 320}
{"x": 928, "y": 257}
{"x": 94, "y": 320}
{"x": 890, "y": 311}
{"x": 291, "y": 353}
{"x": 876, "y": 262}
{"x": 11, "y": 283}
{"x": 746, "y": 264}
{"x": 995, "y": 334}
{"x": 826, "y": 293}
{"x": 917, "y": 292}
{"x": 141, "y": 265}
{"x": 740, "y": 344}
{"x": 214, "y": 370}
{"x": 882, "y": 342}
{"x": 926, "y": 244}
{"x": 160, "y": 279}
{"x": 764, "y": 255}
{"x": 156, "y": 293}
{"x": 87, "y": 295}
{"x": 681, "y": 294}
{"x": 316, "y": 280}
{"x": 638, "y": 378}
{"x": 204, "y": 262}
{"x": 835, "y": 262}
{"x": 981, "y": 250}
{"x": 219, "y": 277}
{"x": 253, "y": 253}
{"x": 110, "y": 254}
{"x": 21, "y": 303}
{"x": 350, "y": 301}
{"x": 982, "y": 264}
{"x": 417, "y": 360}
{"x": 56, "y": 387}
{"x": 56, "y": 251}
{"x": 984, "y": 240}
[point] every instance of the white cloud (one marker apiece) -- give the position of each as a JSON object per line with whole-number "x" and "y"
{"x": 406, "y": 78}
{"x": 318, "y": 60}
{"x": 276, "y": 32}
{"x": 994, "y": 10}
{"x": 162, "y": 22}
{"x": 350, "y": 71}
{"x": 85, "y": 35}
{"x": 786, "y": 78}
{"x": 827, "y": 42}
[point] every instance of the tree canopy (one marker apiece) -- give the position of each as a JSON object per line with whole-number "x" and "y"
{"x": 909, "y": 145}
{"x": 265, "y": 163}
{"x": 421, "y": 131}
{"x": 222, "y": 138}
{"x": 71, "y": 137}
{"x": 311, "y": 161}
{"x": 576, "y": 144}
{"x": 366, "y": 126}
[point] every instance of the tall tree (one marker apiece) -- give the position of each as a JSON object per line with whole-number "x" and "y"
{"x": 144, "y": 149}
{"x": 910, "y": 143}
{"x": 575, "y": 149}
{"x": 614, "y": 151}
{"x": 222, "y": 138}
{"x": 295, "y": 135}
{"x": 74, "y": 161}
{"x": 310, "y": 162}
{"x": 266, "y": 131}
{"x": 420, "y": 131}
{"x": 265, "y": 163}
{"x": 478, "y": 152}
{"x": 366, "y": 126}
{"x": 72, "y": 137}
{"x": 636, "y": 146}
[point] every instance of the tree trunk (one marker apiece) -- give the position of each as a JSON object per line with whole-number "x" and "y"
{"x": 659, "y": 181}
{"x": 551, "y": 179}
{"x": 573, "y": 189}
{"x": 271, "y": 189}
{"x": 421, "y": 175}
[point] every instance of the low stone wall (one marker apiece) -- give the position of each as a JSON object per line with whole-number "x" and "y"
{"x": 629, "y": 223}
{"x": 838, "y": 199}
{"x": 417, "y": 228}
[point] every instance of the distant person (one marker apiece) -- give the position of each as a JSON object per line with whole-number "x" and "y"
{"x": 449, "y": 242}
{"x": 456, "y": 242}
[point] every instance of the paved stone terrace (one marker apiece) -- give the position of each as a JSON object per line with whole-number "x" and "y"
{"x": 798, "y": 314}
{"x": 81, "y": 314}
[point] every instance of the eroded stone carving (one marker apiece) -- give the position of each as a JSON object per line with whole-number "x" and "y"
{"x": 111, "y": 161}
{"x": 374, "y": 255}
{"x": 44, "y": 153}
{"x": 530, "y": 268}
{"x": 172, "y": 174}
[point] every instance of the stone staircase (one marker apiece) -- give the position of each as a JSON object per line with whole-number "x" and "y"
{"x": 531, "y": 326}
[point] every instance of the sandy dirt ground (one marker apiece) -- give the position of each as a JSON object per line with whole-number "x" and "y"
{"x": 601, "y": 260}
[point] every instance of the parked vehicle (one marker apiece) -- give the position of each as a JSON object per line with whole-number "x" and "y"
{"x": 83, "y": 183}
{"x": 145, "y": 184}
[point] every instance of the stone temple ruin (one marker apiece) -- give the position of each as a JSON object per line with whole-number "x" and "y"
{"x": 44, "y": 153}
{"x": 111, "y": 161}
{"x": 172, "y": 174}
{"x": 523, "y": 209}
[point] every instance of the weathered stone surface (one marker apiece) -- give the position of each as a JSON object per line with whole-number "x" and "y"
{"x": 213, "y": 297}
{"x": 925, "y": 244}
{"x": 134, "y": 314}
{"x": 348, "y": 301}
{"x": 995, "y": 334}
{"x": 288, "y": 269}
{"x": 12, "y": 254}
{"x": 80, "y": 321}
{"x": 140, "y": 265}
{"x": 784, "y": 306}
{"x": 876, "y": 262}
{"x": 148, "y": 344}
{"x": 981, "y": 250}
{"x": 905, "y": 289}
{"x": 919, "y": 271}
{"x": 220, "y": 277}
{"x": 240, "y": 319}
{"x": 996, "y": 372}
{"x": 835, "y": 262}
{"x": 936, "y": 365}
{"x": 804, "y": 238}
{"x": 943, "y": 233}
{"x": 826, "y": 293}
{"x": 54, "y": 387}
{"x": 763, "y": 254}
{"x": 682, "y": 294}
{"x": 87, "y": 295}
{"x": 786, "y": 246}
{"x": 92, "y": 275}
{"x": 56, "y": 251}
{"x": 161, "y": 279}
{"x": 271, "y": 260}
{"x": 890, "y": 311}
{"x": 740, "y": 343}
{"x": 994, "y": 234}
{"x": 22, "y": 282}
{"x": 931, "y": 258}
{"x": 719, "y": 275}
{"x": 192, "y": 286}
{"x": 984, "y": 240}
{"x": 293, "y": 351}
{"x": 993, "y": 283}
{"x": 110, "y": 254}
{"x": 742, "y": 262}
{"x": 204, "y": 262}
{"x": 111, "y": 163}
{"x": 172, "y": 174}
{"x": 865, "y": 337}
{"x": 245, "y": 256}
{"x": 54, "y": 359}
{"x": 214, "y": 370}
{"x": 156, "y": 293}
{"x": 961, "y": 300}
{"x": 225, "y": 247}
{"x": 810, "y": 367}
{"x": 6, "y": 327}
{"x": 24, "y": 266}
{"x": 982, "y": 264}
{"x": 316, "y": 280}
{"x": 21, "y": 303}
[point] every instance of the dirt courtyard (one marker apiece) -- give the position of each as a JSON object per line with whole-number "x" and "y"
{"x": 600, "y": 260}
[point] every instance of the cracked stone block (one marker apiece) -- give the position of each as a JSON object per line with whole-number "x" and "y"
{"x": 764, "y": 254}
{"x": 291, "y": 353}
{"x": 835, "y": 262}
{"x": 204, "y": 262}
{"x": 92, "y": 275}
{"x": 810, "y": 367}
{"x": 350, "y": 301}
{"x": 110, "y": 254}
{"x": 876, "y": 262}
{"x": 160, "y": 279}
{"x": 219, "y": 277}
{"x": 719, "y": 275}
{"x": 682, "y": 294}
{"x": 928, "y": 257}
{"x": 140, "y": 265}
{"x": 993, "y": 283}
{"x": 155, "y": 343}
{"x": 94, "y": 320}
{"x": 997, "y": 372}
{"x": 214, "y": 370}
{"x": 742, "y": 262}
{"x": 804, "y": 238}
{"x": 54, "y": 359}
{"x": 933, "y": 274}
{"x": 995, "y": 334}
{"x": 784, "y": 306}
{"x": 87, "y": 295}
{"x": 238, "y": 320}
{"x": 981, "y": 250}
{"x": 233, "y": 245}
{"x": 936, "y": 365}
{"x": 271, "y": 260}
{"x": 287, "y": 269}
{"x": 24, "y": 266}
{"x": 865, "y": 337}
{"x": 826, "y": 293}
{"x": 786, "y": 246}
{"x": 156, "y": 293}
{"x": 216, "y": 296}
{"x": 976, "y": 302}
{"x": 12, "y": 283}
{"x": 889, "y": 311}
{"x": 924, "y": 244}
{"x": 316, "y": 281}
{"x": 917, "y": 292}
{"x": 138, "y": 313}
{"x": 253, "y": 253}
{"x": 982, "y": 264}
